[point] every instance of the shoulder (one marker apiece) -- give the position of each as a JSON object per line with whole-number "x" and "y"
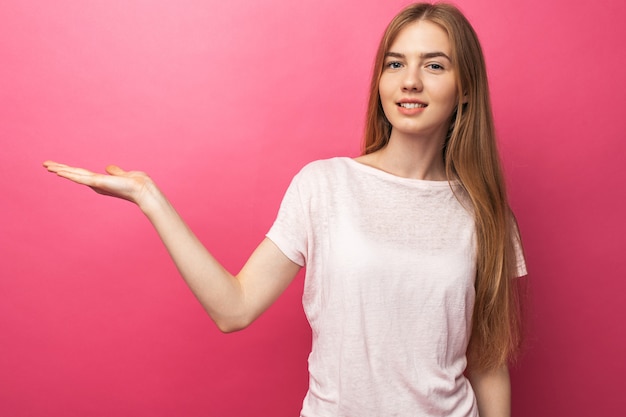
{"x": 323, "y": 168}
{"x": 323, "y": 165}
{"x": 322, "y": 177}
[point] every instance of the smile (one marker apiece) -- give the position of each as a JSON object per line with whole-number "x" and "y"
{"x": 412, "y": 105}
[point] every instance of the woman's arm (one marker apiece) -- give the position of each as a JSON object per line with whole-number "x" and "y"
{"x": 232, "y": 302}
{"x": 493, "y": 391}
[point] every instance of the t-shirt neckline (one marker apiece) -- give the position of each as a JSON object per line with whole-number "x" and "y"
{"x": 388, "y": 176}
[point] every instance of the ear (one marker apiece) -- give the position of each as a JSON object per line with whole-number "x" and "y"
{"x": 464, "y": 99}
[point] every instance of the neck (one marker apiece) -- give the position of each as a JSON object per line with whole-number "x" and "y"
{"x": 411, "y": 157}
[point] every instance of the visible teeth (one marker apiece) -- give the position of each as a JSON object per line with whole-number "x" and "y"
{"x": 412, "y": 105}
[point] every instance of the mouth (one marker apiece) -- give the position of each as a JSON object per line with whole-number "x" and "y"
{"x": 412, "y": 105}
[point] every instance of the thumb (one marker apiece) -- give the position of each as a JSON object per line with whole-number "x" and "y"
{"x": 114, "y": 170}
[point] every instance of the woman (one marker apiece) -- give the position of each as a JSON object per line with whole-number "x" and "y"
{"x": 409, "y": 249}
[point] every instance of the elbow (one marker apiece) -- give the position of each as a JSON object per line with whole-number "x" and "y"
{"x": 232, "y": 325}
{"x": 229, "y": 328}
{"x": 230, "y": 317}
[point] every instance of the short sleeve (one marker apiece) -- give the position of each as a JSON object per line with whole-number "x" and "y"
{"x": 289, "y": 231}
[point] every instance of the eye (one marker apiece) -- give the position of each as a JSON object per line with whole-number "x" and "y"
{"x": 393, "y": 65}
{"x": 435, "y": 67}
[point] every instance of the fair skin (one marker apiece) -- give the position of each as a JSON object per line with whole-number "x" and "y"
{"x": 418, "y": 92}
{"x": 232, "y": 301}
{"x": 493, "y": 391}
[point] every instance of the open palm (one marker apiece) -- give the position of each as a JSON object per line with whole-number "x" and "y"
{"x": 128, "y": 185}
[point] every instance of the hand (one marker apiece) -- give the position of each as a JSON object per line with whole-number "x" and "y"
{"x": 133, "y": 186}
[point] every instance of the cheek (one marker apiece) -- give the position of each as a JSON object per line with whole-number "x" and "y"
{"x": 448, "y": 95}
{"x": 386, "y": 110}
{"x": 384, "y": 93}
{"x": 383, "y": 87}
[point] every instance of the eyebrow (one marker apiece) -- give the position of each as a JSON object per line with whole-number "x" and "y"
{"x": 425, "y": 55}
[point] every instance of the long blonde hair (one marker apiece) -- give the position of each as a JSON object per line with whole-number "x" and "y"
{"x": 471, "y": 157}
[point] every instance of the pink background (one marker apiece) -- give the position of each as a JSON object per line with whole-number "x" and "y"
{"x": 222, "y": 102}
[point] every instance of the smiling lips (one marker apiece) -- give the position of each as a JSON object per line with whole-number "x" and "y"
{"x": 412, "y": 105}
{"x": 411, "y": 108}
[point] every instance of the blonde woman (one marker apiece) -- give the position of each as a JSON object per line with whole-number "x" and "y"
{"x": 410, "y": 249}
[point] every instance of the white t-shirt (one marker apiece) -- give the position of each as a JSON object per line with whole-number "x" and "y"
{"x": 389, "y": 290}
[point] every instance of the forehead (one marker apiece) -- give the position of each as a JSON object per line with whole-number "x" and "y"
{"x": 419, "y": 37}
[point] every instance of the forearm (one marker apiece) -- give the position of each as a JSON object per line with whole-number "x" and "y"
{"x": 232, "y": 302}
{"x": 493, "y": 392}
{"x": 219, "y": 292}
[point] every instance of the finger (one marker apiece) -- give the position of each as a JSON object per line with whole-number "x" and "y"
{"x": 57, "y": 168}
{"x": 53, "y": 166}
{"x": 78, "y": 175}
{"x": 76, "y": 171}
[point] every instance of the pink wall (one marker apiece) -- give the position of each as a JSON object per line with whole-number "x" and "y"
{"x": 222, "y": 102}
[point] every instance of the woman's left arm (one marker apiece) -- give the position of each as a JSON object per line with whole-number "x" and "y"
{"x": 493, "y": 391}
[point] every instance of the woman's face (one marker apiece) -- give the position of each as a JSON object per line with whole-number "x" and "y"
{"x": 417, "y": 87}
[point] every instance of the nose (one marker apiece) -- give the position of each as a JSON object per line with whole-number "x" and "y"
{"x": 412, "y": 80}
